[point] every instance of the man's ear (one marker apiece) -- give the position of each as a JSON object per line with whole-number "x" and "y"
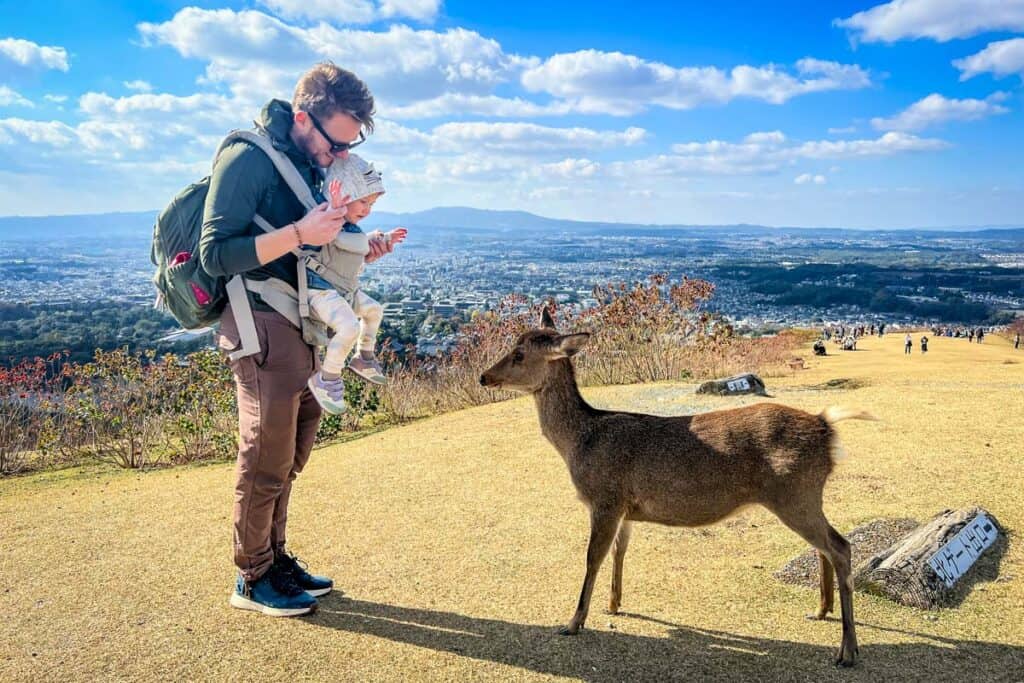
{"x": 546, "y": 320}
{"x": 568, "y": 345}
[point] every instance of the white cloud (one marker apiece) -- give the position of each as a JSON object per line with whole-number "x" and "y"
{"x": 621, "y": 84}
{"x": 770, "y": 152}
{"x": 354, "y": 11}
{"x": 420, "y": 10}
{"x": 58, "y": 99}
{"x": 481, "y": 105}
{"x": 935, "y": 109}
{"x": 10, "y": 97}
{"x": 570, "y": 168}
{"x": 888, "y": 144}
{"x": 256, "y": 55}
{"x": 198, "y": 105}
{"x": 25, "y": 53}
{"x": 457, "y": 72}
{"x": 139, "y": 86}
{"x": 1002, "y": 58}
{"x": 940, "y": 20}
{"x": 529, "y": 138}
{"x": 842, "y": 130}
{"x": 49, "y": 133}
{"x": 805, "y": 178}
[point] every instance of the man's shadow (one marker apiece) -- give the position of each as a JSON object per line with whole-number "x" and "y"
{"x": 685, "y": 652}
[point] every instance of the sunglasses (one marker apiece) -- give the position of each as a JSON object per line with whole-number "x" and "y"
{"x": 336, "y": 147}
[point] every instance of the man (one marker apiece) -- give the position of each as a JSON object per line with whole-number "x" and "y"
{"x": 277, "y": 414}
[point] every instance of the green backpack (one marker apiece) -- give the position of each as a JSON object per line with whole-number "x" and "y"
{"x": 194, "y": 297}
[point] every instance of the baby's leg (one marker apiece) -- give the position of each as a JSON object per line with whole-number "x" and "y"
{"x": 331, "y": 308}
{"x": 370, "y": 313}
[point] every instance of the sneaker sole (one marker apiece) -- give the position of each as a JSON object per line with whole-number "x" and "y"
{"x": 320, "y": 592}
{"x": 242, "y": 602}
{"x": 371, "y": 379}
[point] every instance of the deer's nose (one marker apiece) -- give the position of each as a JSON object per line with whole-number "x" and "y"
{"x": 483, "y": 381}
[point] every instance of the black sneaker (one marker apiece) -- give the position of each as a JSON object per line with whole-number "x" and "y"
{"x": 275, "y": 594}
{"x": 296, "y": 569}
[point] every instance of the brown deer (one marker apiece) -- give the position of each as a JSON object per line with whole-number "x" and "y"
{"x": 690, "y": 470}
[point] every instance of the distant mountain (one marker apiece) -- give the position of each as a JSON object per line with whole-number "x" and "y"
{"x": 140, "y": 224}
{"x": 133, "y": 224}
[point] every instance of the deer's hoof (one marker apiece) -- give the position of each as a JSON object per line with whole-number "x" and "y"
{"x": 612, "y": 609}
{"x": 568, "y": 630}
{"x": 847, "y": 655}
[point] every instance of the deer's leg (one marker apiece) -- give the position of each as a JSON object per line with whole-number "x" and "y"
{"x": 619, "y": 552}
{"x": 815, "y": 529}
{"x": 826, "y": 583}
{"x": 840, "y": 558}
{"x": 603, "y": 525}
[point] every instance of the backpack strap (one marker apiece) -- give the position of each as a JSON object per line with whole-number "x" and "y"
{"x": 250, "y": 343}
{"x": 281, "y": 162}
{"x": 279, "y": 295}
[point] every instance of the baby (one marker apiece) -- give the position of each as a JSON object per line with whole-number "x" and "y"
{"x": 352, "y": 315}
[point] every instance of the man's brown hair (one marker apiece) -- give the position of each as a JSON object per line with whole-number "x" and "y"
{"x": 327, "y": 89}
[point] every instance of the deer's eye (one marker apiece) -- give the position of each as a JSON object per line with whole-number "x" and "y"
{"x": 517, "y": 356}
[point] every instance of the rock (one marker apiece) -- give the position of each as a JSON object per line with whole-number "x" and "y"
{"x": 737, "y": 385}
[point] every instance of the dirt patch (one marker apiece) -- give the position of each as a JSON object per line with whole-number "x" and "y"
{"x": 865, "y": 541}
{"x": 839, "y": 383}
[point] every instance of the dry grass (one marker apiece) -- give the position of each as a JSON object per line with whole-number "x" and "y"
{"x": 459, "y": 544}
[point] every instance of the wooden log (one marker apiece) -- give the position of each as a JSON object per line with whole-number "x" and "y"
{"x": 924, "y": 567}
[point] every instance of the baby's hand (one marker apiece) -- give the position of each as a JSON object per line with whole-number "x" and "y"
{"x": 337, "y": 201}
{"x": 396, "y": 236}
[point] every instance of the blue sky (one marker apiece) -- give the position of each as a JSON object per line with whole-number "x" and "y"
{"x": 859, "y": 114}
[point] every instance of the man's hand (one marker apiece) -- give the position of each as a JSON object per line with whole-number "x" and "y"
{"x": 321, "y": 225}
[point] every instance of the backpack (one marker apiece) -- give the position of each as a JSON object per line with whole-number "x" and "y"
{"x": 196, "y": 298}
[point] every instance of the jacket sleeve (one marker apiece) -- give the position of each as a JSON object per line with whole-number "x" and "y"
{"x": 241, "y": 178}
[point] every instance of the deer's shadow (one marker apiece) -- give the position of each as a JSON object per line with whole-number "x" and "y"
{"x": 685, "y": 652}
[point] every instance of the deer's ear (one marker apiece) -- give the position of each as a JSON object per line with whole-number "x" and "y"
{"x": 569, "y": 345}
{"x": 546, "y": 320}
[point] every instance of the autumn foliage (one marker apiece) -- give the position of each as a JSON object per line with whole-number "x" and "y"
{"x": 140, "y": 410}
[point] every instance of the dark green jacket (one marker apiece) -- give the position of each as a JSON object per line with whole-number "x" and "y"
{"x": 245, "y": 183}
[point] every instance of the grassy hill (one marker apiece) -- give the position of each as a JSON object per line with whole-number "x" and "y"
{"x": 459, "y": 544}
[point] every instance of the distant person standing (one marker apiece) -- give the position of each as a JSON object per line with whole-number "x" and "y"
{"x": 908, "y": 343}
{"x": 1016, "y": 341}
{"x": 970, "y": 336}
{"x": 980, "y": 334}
{"x": 924, "y": 344}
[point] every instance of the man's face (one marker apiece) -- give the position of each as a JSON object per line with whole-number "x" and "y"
{"x": 340, "y": 127}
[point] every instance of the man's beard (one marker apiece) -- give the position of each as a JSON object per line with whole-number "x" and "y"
{"x": 304, "y": 141}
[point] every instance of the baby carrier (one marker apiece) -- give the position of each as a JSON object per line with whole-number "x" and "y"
{"x": 196, "y": 298}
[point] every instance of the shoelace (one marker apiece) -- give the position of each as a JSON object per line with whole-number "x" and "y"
{"x": 283, "y": 582}
{"x": 291, "y": 564}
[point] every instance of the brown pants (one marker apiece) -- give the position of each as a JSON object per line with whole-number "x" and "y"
{"x": 277, "y": 422}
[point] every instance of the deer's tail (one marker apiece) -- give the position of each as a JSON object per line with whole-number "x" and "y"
{"x": 834, "y": 414}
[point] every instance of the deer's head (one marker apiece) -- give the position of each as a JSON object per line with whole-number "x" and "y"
{"x": 525, "y": 368}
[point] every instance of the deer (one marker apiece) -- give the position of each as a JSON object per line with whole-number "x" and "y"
{"x": 686, "y": 470}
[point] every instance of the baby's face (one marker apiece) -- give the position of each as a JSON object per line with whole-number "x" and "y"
{"x": 361, "y": 208}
